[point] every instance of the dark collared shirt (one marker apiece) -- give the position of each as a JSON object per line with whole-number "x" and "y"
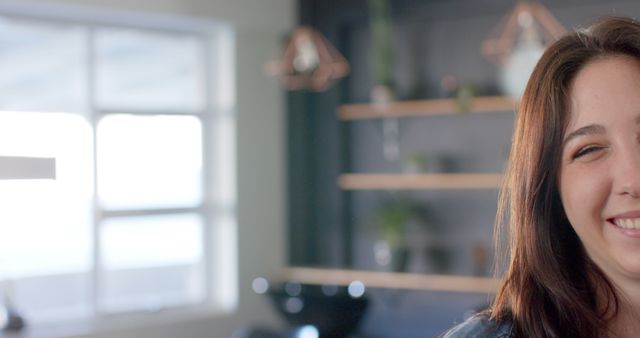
{"x": 480, "y": 326}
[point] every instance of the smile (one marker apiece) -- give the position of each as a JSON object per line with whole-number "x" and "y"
{"x": 627, "y": 223}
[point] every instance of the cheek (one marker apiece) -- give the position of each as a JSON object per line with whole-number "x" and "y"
{"x": 583, "y": 192}
{"x": 584, "y": 195}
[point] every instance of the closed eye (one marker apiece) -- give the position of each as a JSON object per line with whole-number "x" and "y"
{"x": 586, "y": 150}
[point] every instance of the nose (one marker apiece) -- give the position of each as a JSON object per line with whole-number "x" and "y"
{"x": 627, "y": 174}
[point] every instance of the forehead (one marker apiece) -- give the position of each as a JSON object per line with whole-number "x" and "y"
{"x": 604, "y": 88}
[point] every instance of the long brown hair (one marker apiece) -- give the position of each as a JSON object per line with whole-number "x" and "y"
{"x": 550, "y": 285}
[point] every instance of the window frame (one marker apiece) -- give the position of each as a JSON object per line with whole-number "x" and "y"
{"x": 218, "y": 42}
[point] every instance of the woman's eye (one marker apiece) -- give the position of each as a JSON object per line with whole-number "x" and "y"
{"x": 586, "y": 150}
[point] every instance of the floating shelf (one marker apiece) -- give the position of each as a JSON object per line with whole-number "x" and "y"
{"x": 486, "y": 104}
{"x": 391, "y": 280}
{"x": 418, "y": 181}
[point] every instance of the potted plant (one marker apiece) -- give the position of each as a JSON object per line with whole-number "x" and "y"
{"x": 391, "y": 221}
{"x": 415, "y": 162}
{"x": 380, "y": 23}
{"x": 382, "y": 93}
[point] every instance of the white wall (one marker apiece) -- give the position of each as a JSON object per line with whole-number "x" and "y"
{"x": 260, "y": 24}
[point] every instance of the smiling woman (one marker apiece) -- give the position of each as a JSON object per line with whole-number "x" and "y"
{"x": 571, "y": 199}
{"x": 600, "y": 173}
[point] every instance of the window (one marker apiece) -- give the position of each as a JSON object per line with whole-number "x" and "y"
{"x": 141, "y": 213}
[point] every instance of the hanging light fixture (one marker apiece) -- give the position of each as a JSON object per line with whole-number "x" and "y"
{"x": 309, "y": 61}
{"x": 518, "y": 41}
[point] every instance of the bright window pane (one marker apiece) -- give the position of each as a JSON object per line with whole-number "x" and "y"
{"x": 53, "y": 298}
{"x": 144, "y": 241}
{"x": 149, "y": 161}
{"x": 151, "y": 262}
{"x": 42, "y": 66}
{"x": 150, "y": 72}
{"x": 45, "y": 225}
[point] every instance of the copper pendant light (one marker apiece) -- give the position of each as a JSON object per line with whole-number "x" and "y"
{"x": 525, "y": 14}
{"x": 309, "y": 61}
{"x": 518, "y": 42}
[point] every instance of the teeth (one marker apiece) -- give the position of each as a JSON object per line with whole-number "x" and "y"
{"x": 628, "y": 223}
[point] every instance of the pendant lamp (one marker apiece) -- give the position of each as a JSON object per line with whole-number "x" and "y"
{"x": 309, "y": 61}
{"x": 517, "y": 43}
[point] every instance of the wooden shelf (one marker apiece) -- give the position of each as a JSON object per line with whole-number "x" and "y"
{"x": 486, "y": 104}
{"x": 391, "y": 280}
{"x": 418, "y": 181}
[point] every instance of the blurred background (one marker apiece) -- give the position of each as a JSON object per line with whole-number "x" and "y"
{"x": 258, "y": 168}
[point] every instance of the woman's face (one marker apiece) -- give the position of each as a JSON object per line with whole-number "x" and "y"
{"x": 600, "y": 169}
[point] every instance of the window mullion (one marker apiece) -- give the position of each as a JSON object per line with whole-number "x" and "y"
{"x": 94, "y": 116}
{"x": 150, "y": 212}
{"x": 104, "y": 112}
{"x": 208, "y": 167}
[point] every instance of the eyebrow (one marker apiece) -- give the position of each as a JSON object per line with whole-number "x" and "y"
{"x": 586, "y": 130}
{"x": 590, "y": 130}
